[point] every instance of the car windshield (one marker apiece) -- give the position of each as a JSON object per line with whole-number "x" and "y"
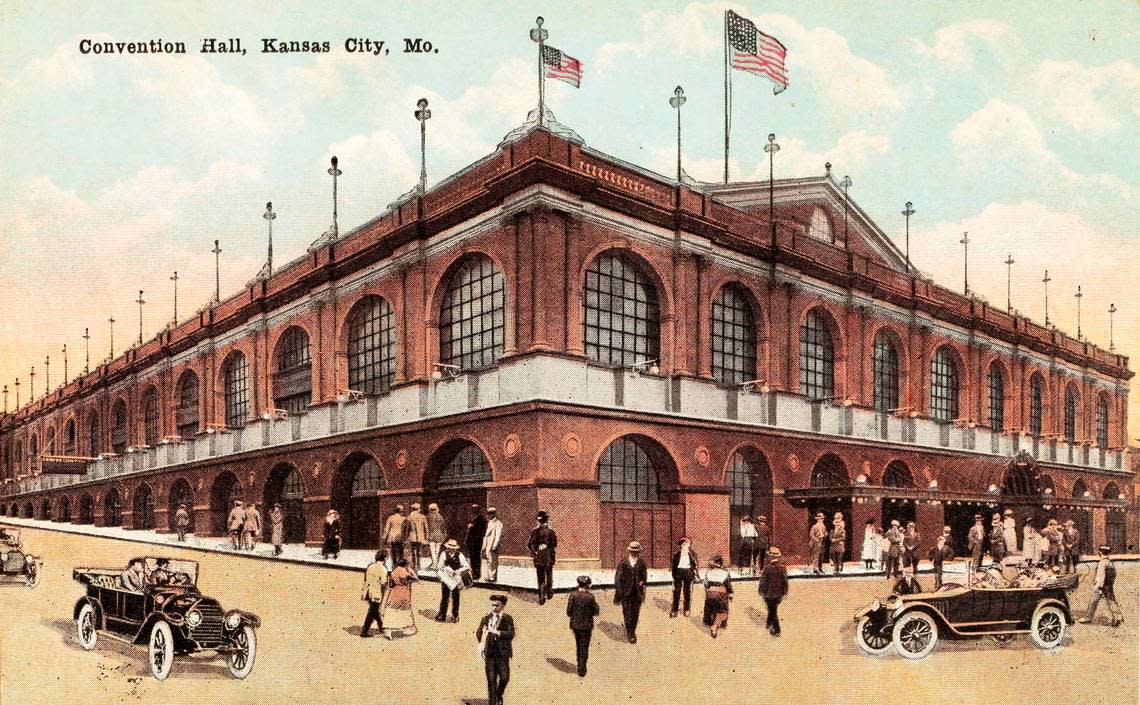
{"x": 10, "y": 536}
{"x": 172, "y": 571}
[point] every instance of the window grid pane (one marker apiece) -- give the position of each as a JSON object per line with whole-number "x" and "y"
{"x": 817, "y": 358}
{"x": 468, "y": 467}
{"x": 621, "y": 320}
{"x": 626, "y": 473}
{"x": 943, "y": 387}
{"x": 733, "y": 338}
{"x": 293, "y": 488}
{"x": 1035, "y": 402}
{"x": 293, "y": 361}
{"x": 1102, "y": 423}
{"x": 740, "y": 481}
{"x": 472, "y": 319}
{"x": 371, "y": 347}
{"x": 150, "y": 417}
{"x": 237, "y": 391}
{"x": 188, "y": 405}
{"x": 1070, "y": 414}
{"x": 119, "y": 427}
{"x": 69, "y": 438}
{"x": 886, "y": 374}
{"x": 368, "y": 480}
{"x": 997, "y": 400}
{"x": 93, "y": 440}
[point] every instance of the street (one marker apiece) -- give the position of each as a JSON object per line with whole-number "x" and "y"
{"x": 309, "y": 649}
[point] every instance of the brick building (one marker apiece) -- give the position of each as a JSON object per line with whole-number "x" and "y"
{"x": 552, "y": 328}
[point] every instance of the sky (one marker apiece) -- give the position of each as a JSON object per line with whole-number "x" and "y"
{"x": 1018, "y": 122}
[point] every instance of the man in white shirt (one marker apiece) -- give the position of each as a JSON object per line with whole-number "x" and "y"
{"x": 1104, "y": 586}
{"x": 491, "y": 540}
{"x": 684, "y": 571}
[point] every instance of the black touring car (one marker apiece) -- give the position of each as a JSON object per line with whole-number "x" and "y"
{"x": 14, "y": 561}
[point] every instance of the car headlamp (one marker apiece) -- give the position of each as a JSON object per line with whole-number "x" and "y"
{"x": 193, "y": 618}
{"x": 233, "y": 620}
{"x": 876, "y": 605}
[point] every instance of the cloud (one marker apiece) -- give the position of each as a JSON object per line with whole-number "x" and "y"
{"x": 850, "y": 153}
{"x": 956, "y": 45}
{"x": 64, "y": 67}
{"x": 332, "y": 75}
{"x": 1091, "y": 100}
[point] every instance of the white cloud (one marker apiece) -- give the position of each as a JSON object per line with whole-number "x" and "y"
{"x": 850, "y": 153}
{"x": 332, "y": 75}
{"x": 956, "y": 45}
{"x": 1091, "y": 100}
{"x": 64, "y": 67}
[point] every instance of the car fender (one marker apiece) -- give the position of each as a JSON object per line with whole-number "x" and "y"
{"x": 94, "y": 605}
{"x": 251, "y": 619}
{"x": 176, "y": 627}
{"x": 925, "y": 608}
{"x": 1054, "y": 602}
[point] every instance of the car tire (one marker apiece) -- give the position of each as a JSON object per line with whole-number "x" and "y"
{"x": 1048, "y": 627}
{"x": 869, "y": 640}
{"x": 915, "y": 635}
{"x": 160, "y": 652}
{"x": 240, "y": 662}
{"x": 85, "y": 627}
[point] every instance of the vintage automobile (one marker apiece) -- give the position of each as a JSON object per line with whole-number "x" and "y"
{"x": 990, "y": 606}
{"x": 167, "y": 613}
{"x": 14, "y": 562}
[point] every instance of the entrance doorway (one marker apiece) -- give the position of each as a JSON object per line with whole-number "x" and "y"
{"x": 113, "y": 508}
{"x": 223, "y": 493}
{"x": 750, "y": 494}
{"x": 180, "y": 492}
{"x": 142, "y": 509}
{"x": 635, "y": 476}
{"x": 897, "y": 474}
{"x": 285, "y": 487}
{"x": 355, "y": 494}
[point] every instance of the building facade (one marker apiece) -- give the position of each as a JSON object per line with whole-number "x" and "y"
{"x": 552, "y": 328}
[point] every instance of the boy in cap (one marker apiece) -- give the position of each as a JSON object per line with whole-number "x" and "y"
{"x": 495, "y": 633}
{"x": 542, "y": 545}
{"x": 815, "y": 543}
{"x": 581, "y": 608}
{"x": 629, "y": 589}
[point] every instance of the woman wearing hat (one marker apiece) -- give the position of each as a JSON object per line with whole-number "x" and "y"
{"x": 452, "y": 566}
{"x": 718, "y": 593}
{"x": 331, "y": 529}
{"x": 397, "y": 617}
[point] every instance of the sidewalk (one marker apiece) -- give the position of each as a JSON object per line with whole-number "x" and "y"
{"x": 510, "y": 577}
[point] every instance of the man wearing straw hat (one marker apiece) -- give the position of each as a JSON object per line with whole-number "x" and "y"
{"x": 629, "y": 589}
{"x": 815, "y": 543}
{"x": 773, "y": 587}
{"x": 452, "y": 565}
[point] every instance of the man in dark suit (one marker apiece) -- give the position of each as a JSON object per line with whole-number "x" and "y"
{"x": 495, "y": 632}
{"x": 684, "y": 569}
{"x": 629, "y": 588}
{"x": 543, "y": 543}
{"x": 943, "y": 551}
{"x": 581, "y": 609}
{"x": 773, "y": 587}
{"x": 763, "y": 541}
{"x": 476, "y": 528}
{"x": 977, "y": 541}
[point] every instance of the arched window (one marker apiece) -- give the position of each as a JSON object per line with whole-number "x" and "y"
{"x": 733, "y": 337}
{"x": 467, "y": 467}
{"x": 371, "y": 346}
{"x": 293, "y": 381}
{"x": 943, "y": 386}
{"x": 829, "y": 471}
{"x": 627, "y": 473}
{"x": 817, "y": 358}
{"x": 886, "y": 373}
{"x": 621, "y": 318}
{"x": 150, "y": 417}
{"x": 1070, "y": 413}
{"x": 94, "y": 440}
{"x": 740, "y": 474}
{"x": 49, "y": 441}
{"x": 820, "y": 227}
{"x": 367, "y": 482}
{"x": 33, "y": 453}
{"x": 1036, "y": 400}
{"x": 1102, "y": 421}
{"x": 69, "y": 438}
{"x": 897, "y": 474}
{"x": 188, "y": 404}
{"x": 997, "y": 399}
{"x": 472, "y": 315}
{"x": 236, "y": 390}
{"x": 119, "y": 427}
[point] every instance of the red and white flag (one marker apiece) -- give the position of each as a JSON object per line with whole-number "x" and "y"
{"x": 562, "y": 66}
{"x": 756, "y": 52}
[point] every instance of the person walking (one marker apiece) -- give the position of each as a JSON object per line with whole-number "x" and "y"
{"x": 395, "y": 533}
{"x": 476, "y": 530}
{"x": 894, "y": 538}
{"x": 816, "y": 536}
{"x": 436, "y": 533}
{"x": 277, "y": 528}
{"x": 629, "y": 589}
{"x": 581, "y": 608}
{"x": 773, "y": 588}
{"x": 234, "y": 524}
{"x": 1071, "y": 545}
{"x": 838, "y": 537}
{"x": 542, "y": 545}
{"x": 976, "y": 540}
{"x": 331, "y": 531}
{"x": 452, "y": 565}
{"x": 417, "y": 536}
{"x": 718, "y": 594}
{"x": 251, "y": 526}
{"x": 683, "y": 569}
{"x": 763, "y": 541}
{"x": 495, "y": 633}
{"x": 997, "y": 540}
{"x": 399, "y": 618}
{"x": 1104, "y": 586}
{"x": 375, "y": 586}
{"x": 943, "y": 551}
{"x": 870, "y": 553}
{"x": 491, "y": 540}
{"x": 912, "y": 541}
{"x": 747, "y": 544}
{"x": 181, "y": 521}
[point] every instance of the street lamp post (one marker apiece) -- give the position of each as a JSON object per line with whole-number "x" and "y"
{"x": 1078, "y": 296}
{"x": 47, "y": 374}
{"x": 217, "y": 272}
{"x": 174, "y": 278}
{"x": 423, "y": 115}
{"x": 140, "y": 302}
{"x": 111, "y": 320}
{"x": 64, "y": 364}
{"x": 334, "y": 172}
{"x": 771, "y": 148}
{"x": 1008, "y": 282}
{"x": 1111, "y": 315}
{"x": 86, "y": 350}
{"x": 907, "y": 213}
{"x": 269, "y": 216}
{"x": 965, "y": 262}
{"x": 677, "y": 101}
{"x": 1046, "y": 281}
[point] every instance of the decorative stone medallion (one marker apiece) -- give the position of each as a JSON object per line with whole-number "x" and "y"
{"x": 511, "y": 445}
{"x": 402, "y": 458}
{"x": 701, "y": 455}
{"x": 572, "y": 445}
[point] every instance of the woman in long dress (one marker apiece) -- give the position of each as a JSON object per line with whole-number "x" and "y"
{"x": 331, "y": 529}
{"x": 1031, "y": 544}
{"x": 396, "y": 613}
{"x": 718, "y": 593}
{"x": 871, "y": 548}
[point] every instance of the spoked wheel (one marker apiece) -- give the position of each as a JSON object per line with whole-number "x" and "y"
{"x": 240, "y": 662}
{"x": 161, "y": 650}
{"x": 915, "y": 635}
{"x": 85, "y": 628}
{"x": 871, "y": 638}
{"x": 1002, "y": 639}
{"x": 32, "y": 577}
{"x": 1048, "y": 627}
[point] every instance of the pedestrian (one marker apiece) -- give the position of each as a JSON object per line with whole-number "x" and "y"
{"x": 399, "y": 619}
{"x": 331, "y": 530}
{"x": 763, "y": 541}
{"x": 476, "y": 530}
{"x": 543, "y": 545}
{"x": 838, "y": 537}
{"x": 1053, "y": 541}
{"x": 773, "y": 588}
{"x": 943, "y": 551}
{"x": 491, "y": 540}
{"x": 912, "y": 541}
{"x": 1031, "y": 543}
{"x": 1071, "y": 545}
{"x": 815, "y": 544}
{"x": 907, "y": 584}
{"x": 997, "y": 540}
{"x": 718, "y": 594}
{"x": 452, "y": 565}
{"x": 495, "y": 633}
{"x": 395, "y": 533}
{"x": 1104, "y": 586}
{"x": 375, "y": 586}
{"x": 895, "y": 538}
{"x": 277, "y": 528}
{"x": 436, "y": 533}
{"x": 417, "y": 536}
{"x": 747, "y": 543}
{"x": 581, "y": 608}
{"x": 181, "y": 521}
{"x": 684, "y": 570}
{"x": 629, "y": 589}
{"x": 251, "y": 526}
{"x": 235, "y": 523}
{"x": 976, "y": 540}
{"x": 1009, "y": 531}
{"x": 870, "y": 545}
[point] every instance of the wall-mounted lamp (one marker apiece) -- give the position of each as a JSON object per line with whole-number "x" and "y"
{"x": 347, "y": 395}
{"x": 442, "y": 368}
{"x": 756, "y": 385}
{"x": 645, "y": 367}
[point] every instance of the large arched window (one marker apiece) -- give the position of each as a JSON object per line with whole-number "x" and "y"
{"x": 1071, "y": 413}
{"x": 150, "y": 417}
{"x": 820, "y": 226}
{"x": 1102, "y": 421}
{"x": 293, "y": 381}
{"x": 817, "y": 358}
{"x": 621, "y": 318}
{"x": 1036, "y": 402}
{"x": 119, "y": 427}
{"x": 187, "y": 412}
{"x": 626, "y": 473}
{"x": 886, "y": 373}
{"x": 235, "y": 385}
{"x": 33, "y": 453}
{"x": 18, "y": 458}
{"x": 467, "y": 467}
{"x": 733, "y": 337}
{"x": 371, "y": 346}
{"x": 897, "y": 474}
{"x": 69, "y": 438}
{"x": 94, "y": 437}
{"x": 943, "y": 386}
{"x": 367, "y": 481}
{"x": 49, "y": 441}
{"x": 472, "y": 315}
{"x": 997, "y": 398}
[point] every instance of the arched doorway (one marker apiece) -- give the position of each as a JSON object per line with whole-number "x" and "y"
{"x": 831, "y": 472}
{"x": 749, "y": 492}
{"x": 65, "y": 508}
{"x": 1022, "y": 481}
{"x": 180, "y": 492}
{"x": 86, "y": 509}
{"x": 29, "y": 511}
{"x": 1082, "y": 518}
{"x": 113, "y": 508}
{"x": 635, "y": 477}
{"x": 456, "y": 478}
{"x": 897, "y": 474}
{"x": 142, "y": 508}
{"x": 223, "y": 493}
{"x": 45, "y": 509}
{"x": 355, "y": 493}
{"x": 1114, "y": 521}
{"x": 286, "y": 487}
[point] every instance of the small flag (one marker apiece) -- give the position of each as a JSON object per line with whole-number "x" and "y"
{"x": 562, "y": 66}
{"x": 756, "y": 52}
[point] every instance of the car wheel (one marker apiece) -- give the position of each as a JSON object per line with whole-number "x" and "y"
{"x": 1048, "y": 627}
{"x": 85, "y": 627}
{"x": 870, "y": 638}
{"x": 240, "y": 662}
{"x": 161, "y": 651}
{"x": 1002, "y": 639}
{"x": 32, "y": 578}
{"x": 915, "y": 635}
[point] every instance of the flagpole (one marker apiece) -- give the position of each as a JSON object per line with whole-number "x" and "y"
{"x": 726, "y": 97}
{"x": 538, "y": 34}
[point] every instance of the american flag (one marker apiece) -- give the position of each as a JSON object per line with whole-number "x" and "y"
{"x": 562, "y": 66}
{"x": 756, "y": 52}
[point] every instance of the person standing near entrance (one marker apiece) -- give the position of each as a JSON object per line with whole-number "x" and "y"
{"x": 1053, "y": 539}
{"x": 629, "y": 589}
{"x": 331, "y": 530}
{"x": 773, "y": 588}
{"x": 976, "y": 540}
{"x": 436, "y": 533}
{"x": 452, "y": 566}
{"x": 181, "y": 521}
{"x": 417, "y": 536}
{"x": 277, "y": 528}
{"x": 894, "y": 538}
{"x": 763, "y": 541}
{"x": 1104, "y": 586}
{"x": 1070, "y": 542}
{"x": 395, "y": 533}
{"x": 581, "y": 608}
{"x": 997, "y": 540}
{"x": 542, "y": 545}
{"x": 234, "y": 524}
{"x": 375, "y": 584}
{"x": 911, "y": 544}
{"x": 491, "y": 541}
{"x": 815, "y": 544}
{"x": 495, "y": 633}
{"x": 871, "y": 550}
{"x": 251, "y": 526}
{"x": 1009, "y": 531}
{"x": 838, "y": 538}
{"x": 943, "y": 551}
{"x": 747, "y": 543}
{"x": 476, "y": 530}
{"x": 684, "y": 570}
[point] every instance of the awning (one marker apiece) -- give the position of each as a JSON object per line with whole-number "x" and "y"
{"x": 864, "y": 493}
{"x": 63, "y": 465}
